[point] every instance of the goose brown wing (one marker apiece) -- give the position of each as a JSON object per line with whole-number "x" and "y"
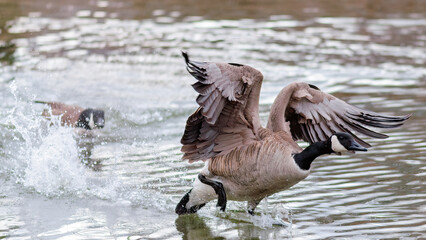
{"x": 61, "y": 108}
{"x": 315, "y": 116}
{"x": 223, "y": 121}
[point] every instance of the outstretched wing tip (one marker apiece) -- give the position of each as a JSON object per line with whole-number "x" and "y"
{"x": 315, "y": 122}
{"x": 407, "y": 116}
{"x": 185, "y": 56}
{"x": 373, "y": 119}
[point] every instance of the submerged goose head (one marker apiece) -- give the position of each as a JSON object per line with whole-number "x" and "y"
{"x": 343, "y": 142}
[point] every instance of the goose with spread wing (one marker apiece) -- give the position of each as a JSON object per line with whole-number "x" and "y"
{"x": 247, "y": 162}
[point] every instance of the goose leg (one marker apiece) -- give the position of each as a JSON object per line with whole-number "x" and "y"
{"x": 251, "y": 205}
{"x": 218, "y": 188}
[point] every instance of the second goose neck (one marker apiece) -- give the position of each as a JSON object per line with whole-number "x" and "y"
{"x": 276, "y": 121}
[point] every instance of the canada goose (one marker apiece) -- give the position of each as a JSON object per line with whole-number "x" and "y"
{"x": 246, "y": 162}
{"x": 75, "y": 116}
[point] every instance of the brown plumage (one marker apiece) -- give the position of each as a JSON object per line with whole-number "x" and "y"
{"x": 69, "y": 113}
{"x": 75, "y": 116}
{"x": 252, "y": 162}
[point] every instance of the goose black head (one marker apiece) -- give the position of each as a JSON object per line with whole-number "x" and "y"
{"x": 91, "y": 119}
{"x": 343, "y": 142}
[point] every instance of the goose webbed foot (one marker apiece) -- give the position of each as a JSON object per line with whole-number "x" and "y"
{"x": 218, "y": 188}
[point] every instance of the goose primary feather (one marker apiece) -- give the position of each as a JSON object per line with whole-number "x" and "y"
{"x": 247, "y": 162}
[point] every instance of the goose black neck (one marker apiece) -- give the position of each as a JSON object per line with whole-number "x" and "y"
{"x": 308, "y": 155}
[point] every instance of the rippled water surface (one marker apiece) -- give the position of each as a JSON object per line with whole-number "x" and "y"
{"x": 124, "y": 57}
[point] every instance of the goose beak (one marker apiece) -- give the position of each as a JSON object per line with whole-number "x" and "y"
{"x": 100, "y": 123}
{"x": 356, "y": 147}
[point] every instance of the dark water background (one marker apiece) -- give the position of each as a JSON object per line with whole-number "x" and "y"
{"x": 124, "y": 57}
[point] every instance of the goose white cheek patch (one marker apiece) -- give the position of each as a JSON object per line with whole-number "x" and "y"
{"x": 91, "y": 122}
{"x": 336, "y": 146}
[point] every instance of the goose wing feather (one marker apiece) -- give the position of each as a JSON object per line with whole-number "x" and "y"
{"x": 315, "y": 115}
{"x": 221, "y": 122}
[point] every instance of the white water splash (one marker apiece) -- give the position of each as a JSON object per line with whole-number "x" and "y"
{"x": 281, "y": 215}
{"x": 53, "y": 167}
{"x": 46, "y": 157}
